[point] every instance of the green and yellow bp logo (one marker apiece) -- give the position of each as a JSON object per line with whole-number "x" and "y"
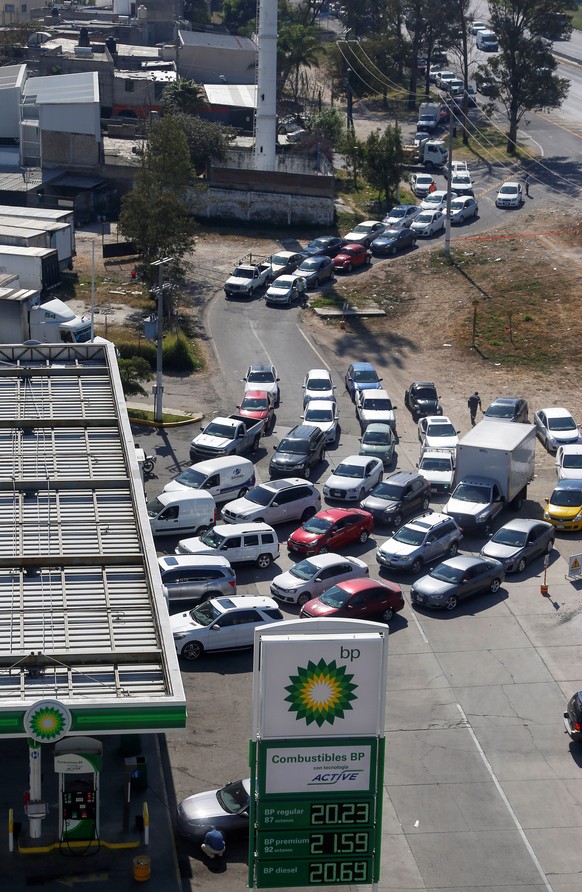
{"x": 321, "y": 692}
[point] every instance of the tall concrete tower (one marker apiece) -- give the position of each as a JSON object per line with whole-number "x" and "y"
{"x": 266, "y": 119}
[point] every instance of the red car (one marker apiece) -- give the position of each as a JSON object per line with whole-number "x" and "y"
{"x": 351, "y": 256}
{"x": 331, "y": 529}
{"x": 260, "y": 405}
{"x": 357, "y": 599}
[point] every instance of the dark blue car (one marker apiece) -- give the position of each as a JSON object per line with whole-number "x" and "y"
{"x": 330, "y": 245}
{"x": 362, "y": 376}
{"x": 392, "y": 241}
{"x": 315, "y": 270}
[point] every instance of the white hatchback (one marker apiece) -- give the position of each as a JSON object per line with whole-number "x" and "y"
{"x": 353, "y": 478}
{"x": 437, "y": 432}
{"x": 324, "y": 415}
{"x": 318, "y": 385}
{"x": 314, "y": 575}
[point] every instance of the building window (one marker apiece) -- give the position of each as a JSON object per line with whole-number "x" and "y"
{"x": 9, "y": 7}
{"x": 23, "y": 7}
{"x": 129, "y": 85}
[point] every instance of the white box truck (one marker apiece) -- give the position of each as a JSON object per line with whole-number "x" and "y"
{"x": 495, "y": 462}
{"x": 428, "y": 116}
{"x": 55, "y": 215}
{"x": 55, "y": 235}
{"x": 24, "y": 318}
{"x": 37, "y": 268}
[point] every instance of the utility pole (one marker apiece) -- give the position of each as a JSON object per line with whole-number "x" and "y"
{"x": 159, "y": 387}
{"x": 450, "y": 163}
{"x": 350, "y": 118}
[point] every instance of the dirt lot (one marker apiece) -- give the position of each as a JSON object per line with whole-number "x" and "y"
{"x": 523, "y": 292}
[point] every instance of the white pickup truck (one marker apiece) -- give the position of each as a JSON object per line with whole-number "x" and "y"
{"x": 229, "y": 435}
{"x": 248, "y": 276}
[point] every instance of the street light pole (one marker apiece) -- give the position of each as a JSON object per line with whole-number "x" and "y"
{"x": 159, "y": 388}
{"x": 449, "y": 196}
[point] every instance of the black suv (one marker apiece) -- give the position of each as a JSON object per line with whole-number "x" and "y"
{"x": 298, "y": 452}
{"x": 421, "y": 399}
{"x": 402, "y": 494}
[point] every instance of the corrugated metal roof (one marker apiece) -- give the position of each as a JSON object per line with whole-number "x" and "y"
{"x": 236, "y": 95}
{"x": 63, "y": 89}
{"x": 82, "y": 614}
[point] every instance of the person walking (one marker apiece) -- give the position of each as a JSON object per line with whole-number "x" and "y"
{"x": 474, "y": 403}
{"x": 302, "y": 291}
{"x": 526, "y": 183}
{"x": 432, "y": 187}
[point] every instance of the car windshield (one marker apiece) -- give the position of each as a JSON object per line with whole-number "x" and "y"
{"x": 365, "y": 376}
{"x": 424, "y": 180}
{"x": 434, "y": 198}
{"x": 378, "y": 404}
{"x": 295, "y": 447}
{"x": 500, "y": 410}
{"x": 283, "y": 283}
{"x": 423, "y": 218}
{"x": 205, "y": 613}
{"x": 318, "y": 384}
{"x": 154, "y": 507}
{"x": 409, "y": 536}
{"x": 255, "y": 402}
{"x": 441, "y": 430}
{"x": 515, "y": 538}
{"x": 397, "y": 212}
{"x": 567, "y": 498}
{"x": 363, "y": 227}
{"x": 466, "y": 180}
{"x": 318, "y": 243}
{"x": 424, "y": 393}
{"x": 390, "y": 234}
{"x": 457, "y": 204}
{"x": 260, "y": 496}
{"x": 572, "y": 461}
{"x": 212, "y": 539}
{"x": 308, "y": 265}
{"x": 233, "y": 797}
{"x": 318, "y": 415}
{"x": 280, "y": 260}
{"x": 223, "y": 431}
{"x": 376, "y": 438}
{"x": 351, "y": 251}
{"x": 191, "y": 477}
{"x": 562, "y": 423}
{"x": 508, "y": 190}
{"x": 344, "y": 470}
{"x": 471, "y": 492}
{"x": 447, "y": 574}
{"x": 260, "y": 377}
{"x": 335, "y": 597}
{"x": 304, "y": 570}
{"x": 316, "y": 525}
{"x": 436, "y": 464}
{"x": 388, "y": 491}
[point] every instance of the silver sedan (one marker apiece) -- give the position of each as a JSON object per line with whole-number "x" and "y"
{"x": 520, "y": 540}
{"x": 455, "y": 579}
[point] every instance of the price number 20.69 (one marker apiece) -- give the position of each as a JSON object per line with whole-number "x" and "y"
{"x": 338, "y": 872}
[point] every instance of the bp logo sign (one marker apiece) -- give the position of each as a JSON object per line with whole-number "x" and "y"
{"x": 47, "y": 721}
{"x": 321, "y": 692}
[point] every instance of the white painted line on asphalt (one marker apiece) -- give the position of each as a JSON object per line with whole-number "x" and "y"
{"x": 501, "y": 792}
{"x": 418, "y": 626}
{"x": 254, "y": 330}
{"x": 319, "y": 356}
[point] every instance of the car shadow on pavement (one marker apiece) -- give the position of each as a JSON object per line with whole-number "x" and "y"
{"x": 469, "y": 607}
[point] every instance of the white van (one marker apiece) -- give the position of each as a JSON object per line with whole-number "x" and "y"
{"x": 225, "y": 478}
{"x": 238, "y": 543}
{"x": 181, "y": 512}
{"x": 486, "y": 41}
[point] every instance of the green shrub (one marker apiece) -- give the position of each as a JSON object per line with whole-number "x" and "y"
{"x": 178, "y": 353}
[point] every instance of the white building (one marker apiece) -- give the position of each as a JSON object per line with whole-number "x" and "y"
{"x": 12, "y": 80}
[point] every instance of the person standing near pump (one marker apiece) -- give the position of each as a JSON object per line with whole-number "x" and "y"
{"x": 474, "y": 403}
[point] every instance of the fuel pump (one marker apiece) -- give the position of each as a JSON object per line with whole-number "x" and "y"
{"x": 78, "y": 763}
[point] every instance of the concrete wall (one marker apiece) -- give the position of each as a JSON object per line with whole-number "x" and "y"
{"x": 71, "y": 150}
{"x": 277, "y": 209}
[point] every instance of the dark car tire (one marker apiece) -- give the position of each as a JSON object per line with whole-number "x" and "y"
{"x": 416, "y": 566}
{"x": 451, "y": 602}
{"x": 550, "y": 546}
{"x": 521, "y": 566}
{"x": 256, "y": 443}
{"x": 308, "y": 514}
{"x": 397, "y": 520}
{"x": 453, "y": 549}
{"x": 303, "y": 599}
{"x": 202, "y": 529}
{"x": 495, "y": 586}
{"x": 315, "y": 282}
{"x": 393, "y": 252}
{"x": 361, "y": 494}
{"x": 191, "y": 651}
{"x": 323, "y": 550}
{"x": 368, "y": 260}
{"x": 307, "y": 472}
{"x": 425, "y": 503}
{"x": 263, "y": 561}
{"x": 242, "y": 492}
{"x": 348, "y": 267}
{"x": 363, "y": 537}
{"x": 387, "y": 615}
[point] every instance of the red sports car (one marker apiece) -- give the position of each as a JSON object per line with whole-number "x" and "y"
{"x": 330, "y": 530}
{"x": 351, "y": 256}
{"x": 357, "y": 599}
{"x": 260, "y": 405}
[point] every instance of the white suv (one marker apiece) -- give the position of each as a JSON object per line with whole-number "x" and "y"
{"x": 375, "y": 406}
{"x": 275, "y": 502}
{"x": 238, "y": 543}
{"x": 420, "y": 541}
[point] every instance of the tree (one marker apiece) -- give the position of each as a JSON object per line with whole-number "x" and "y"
{"x": 298, "y": 46}
{"x": 239, "y": 15}
{"x": 207, "y": 140}
{"x": 327, "y": 126}
{"x": 196, "y": 11}
{"x": 384, "y": 161}
{"x": 184, "y": 96}
{"x": 353, "y": 151}
{"x": 131, "y": 372}
{"x": 524, "y": 66}
{"x": 156, "y": 214}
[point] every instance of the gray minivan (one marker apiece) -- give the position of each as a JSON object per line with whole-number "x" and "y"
{"x": 191, "y": 578}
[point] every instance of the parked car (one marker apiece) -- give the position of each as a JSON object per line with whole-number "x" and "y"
{"x": 353, "y": 478}
{"x": 258, "y": 404}
{"x": 508, "y": 408}
{"x": 564, "y": 507}
{"x": 573, "y": 717}
{"x": 420, "y": 541}
{"x": 476, "y": 26}
{"x": 437, "y": 432}
{"x": 275, "y": 502}
{"x": 422, "y": 399}
{"x": 263, "y": 377}
{"x": 436, "y": 201}
{"x": 438, "y": 467}
{"x": 463, "y": 208}
{"x": 375, "y": 406}
{"x": 461, "y": 184}
{"x": 421, "y": 183}
{"x": 329, "y": 245}
{"x": 330, "y": 530}
{"x": 509, "y": 195}
{"x": 282, "y": 291}
{"x": 226, "y": 810}
{"x": 324, "y": 415}
{"x": 569, "y": 462}
{"x": 298, "y": 452}
{"x": 428, "y": 223}
{"x": 487, "y": 84}
{"x": 365, "y": 233}
{"x": 314, "y": 575}
{"x": 357, "y": 599}
{"x": 400, "y": 216}
{"x": 519, "y": 541}
{"x": 455, "y": 579}
{"x": 556, "y": 427}
{"x": 318, "y": 385}
{"x": 442, "y": 78}
{"x": 402, "y": 494}
{"x": 351, "y": 256}
{"x": 191, "y": 578}
{"x": 361, "y": 376}
{"x": 221, "y": 624}
{"x": 316, "y": 270}
{"x": 238, "y": 543}
{"x": 285, "y": 262}
{"x": 378, "y": 440}
{"x": 392, "y": 241}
